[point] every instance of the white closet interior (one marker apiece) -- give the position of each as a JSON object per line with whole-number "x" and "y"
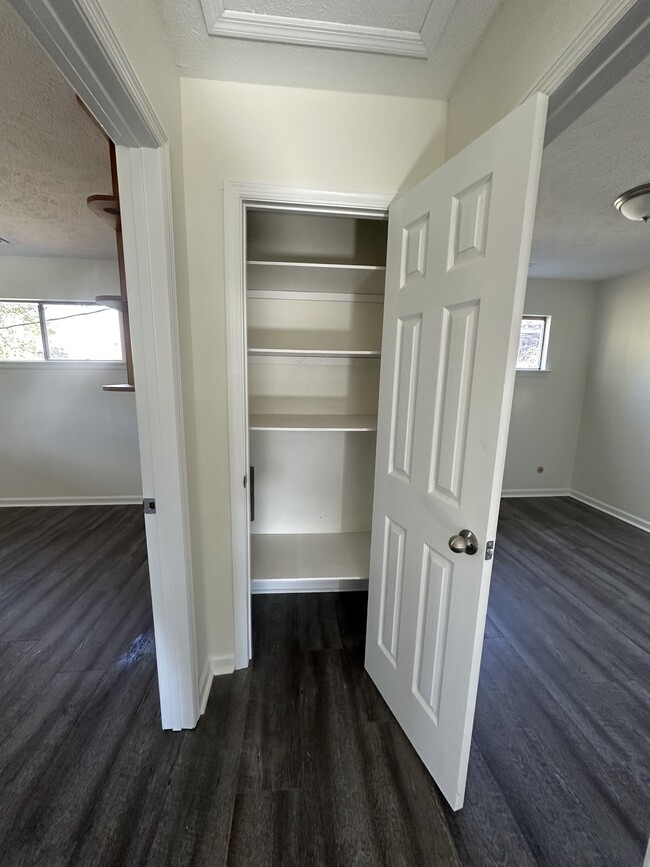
{"x": 315, "y": 284}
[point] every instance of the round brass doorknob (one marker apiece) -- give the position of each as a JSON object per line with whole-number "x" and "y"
{"x": 465, "y": 543}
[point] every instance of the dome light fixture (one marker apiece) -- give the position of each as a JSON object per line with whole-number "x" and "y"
{"x": 635, "y": 203}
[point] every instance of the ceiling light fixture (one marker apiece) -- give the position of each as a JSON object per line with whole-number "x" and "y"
{"x": 635, "y": 203}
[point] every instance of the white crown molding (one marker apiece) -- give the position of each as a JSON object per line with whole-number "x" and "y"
{"x": 322, "y": 34}
{"x": 598, "y": 27}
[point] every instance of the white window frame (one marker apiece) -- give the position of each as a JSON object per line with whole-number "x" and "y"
{"x": 543, "y": 363}
{"x": 42, "y": 318}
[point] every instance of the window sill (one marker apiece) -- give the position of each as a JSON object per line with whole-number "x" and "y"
{"x": 61, "y": 365}
{"x": 534, "y": 372}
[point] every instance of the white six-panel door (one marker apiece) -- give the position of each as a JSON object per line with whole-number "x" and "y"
{"x": 458, "y": 253}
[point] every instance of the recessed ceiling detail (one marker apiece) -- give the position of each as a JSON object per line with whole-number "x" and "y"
{"x": 406, "y": 33}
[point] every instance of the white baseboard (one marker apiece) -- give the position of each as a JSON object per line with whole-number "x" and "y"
{"x": 205, "y": 685}
{"x": 214, "y": 667}
{"x": 614, "y": 511}
{"x": 307, "y": 585}
{"x": 536, "y": 492}
{"x": 100, "y": 500}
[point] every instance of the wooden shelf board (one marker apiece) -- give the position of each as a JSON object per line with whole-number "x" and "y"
{"x": 308, "y": 295}
{"x": 315, "y": 353}
{"x": 107, "y": 208}
{"x": 312, "y": 557}
{"x": 121, "y": 387}
{"x": 307, "y": 585}
{"x": 117, "y": 302}
{"x": 334, "y": 265}
{"x": 267, "y": 421}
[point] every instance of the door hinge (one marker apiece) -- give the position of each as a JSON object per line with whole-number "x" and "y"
{"x": 149, "y": 505}
{"x": 489, "y": 550}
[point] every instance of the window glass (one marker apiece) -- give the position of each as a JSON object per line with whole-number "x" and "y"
{"x": 531, "y": 343}
{"x": 20, "y": 332}
{"x": 83, "y": 332}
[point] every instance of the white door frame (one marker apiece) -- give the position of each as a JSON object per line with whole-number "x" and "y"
{"x": 238, "y": 197}
{"x": 82, "y": 44}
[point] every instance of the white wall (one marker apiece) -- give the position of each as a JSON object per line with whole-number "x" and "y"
{"x": 292, "y": 137}
{"x": 63, "y": 439}
{"x": 547, "y": 407}
{"x": 613, "y": 456}
{"x": 523, "y": 40}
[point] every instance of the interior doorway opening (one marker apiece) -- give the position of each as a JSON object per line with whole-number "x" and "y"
{"x": 314, "y": 315}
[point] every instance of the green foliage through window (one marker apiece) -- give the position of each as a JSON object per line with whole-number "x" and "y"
{"x": 533, "y": 341}
{"x": 47, "y": 331}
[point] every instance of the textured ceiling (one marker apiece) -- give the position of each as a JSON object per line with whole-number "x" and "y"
{"x": 578, "y": 232}
{"x": 371, "y": 13}
{"x": 52, "y": 157}
{"x": 202, "y": 56}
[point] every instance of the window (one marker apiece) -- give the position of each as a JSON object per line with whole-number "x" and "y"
{"x": 57, "y": 330}
{"x": 533, "y": 342}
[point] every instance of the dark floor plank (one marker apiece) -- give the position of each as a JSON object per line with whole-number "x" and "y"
{"x": 298, "y": 760}
{"x": 267, "y": 830}
{"x": 121, "y": 827}
{"x": 50, "y": 819}
{"x": 195, "y": 822}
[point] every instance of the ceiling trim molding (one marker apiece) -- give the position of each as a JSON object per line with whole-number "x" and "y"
{"x": 301, "y": 31}
{"x": 81, "y": 42}
{"x": 598, "y": 27}
{"x": 622, "y": 41}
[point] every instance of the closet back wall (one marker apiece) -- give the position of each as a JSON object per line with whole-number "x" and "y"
{"x": 62, "y": 439}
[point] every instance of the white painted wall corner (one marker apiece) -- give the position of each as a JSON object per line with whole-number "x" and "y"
{"x": 615, "y": 512}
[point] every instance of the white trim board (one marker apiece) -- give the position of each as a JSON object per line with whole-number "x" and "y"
{"x": 612, "y": 43}
{"x": 214, "y": 666}
{"x": 614, "y": 511}
{"x": 100, "y": 500}
{"x": 536, "y": 492}
{"x": 220, "y": 21}
{"x": 237, "y": 198}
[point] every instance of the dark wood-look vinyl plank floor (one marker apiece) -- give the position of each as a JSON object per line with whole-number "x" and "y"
{"x": 297, "y": 760}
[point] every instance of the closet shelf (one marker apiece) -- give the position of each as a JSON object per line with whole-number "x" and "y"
{"x": 296, "y": 264}
{"x": 315, "y": 353}
{"x": 267, "y": 421}
{"x": 304, "y": 562}
{"x": 309, "y": 295}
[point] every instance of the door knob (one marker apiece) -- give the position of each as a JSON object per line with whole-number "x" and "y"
{"x": 465, "y": 543}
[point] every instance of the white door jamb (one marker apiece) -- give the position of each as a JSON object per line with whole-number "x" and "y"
{"x": 237, "y": 198}
{"x": 79, "y": 39}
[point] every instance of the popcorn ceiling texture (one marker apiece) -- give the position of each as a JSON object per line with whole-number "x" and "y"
{"x": 579, "y": 235}
{"x": 372, "y": 13}
{"x": 199, "y": 55}
{"x": 51, "y": 156}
